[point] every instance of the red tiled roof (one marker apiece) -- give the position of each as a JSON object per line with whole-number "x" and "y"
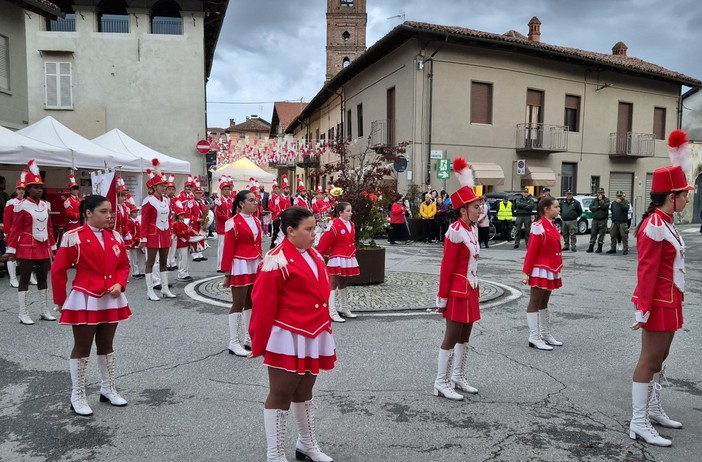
{"x": 287, "y": 111}
{"x": 215, "y": 130}
{"x": 251, "y": 125}
{"x": 42, "y": 7}
{"x": 49, "y": 4}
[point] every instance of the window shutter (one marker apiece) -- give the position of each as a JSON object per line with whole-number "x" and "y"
{"x": 51, "y": 87}
{"x": 535, "y": 98}
{"x": 4, "y": 63}
{"x": 65, "y": 90}
{"x": 572, "y": 102}
{"x": 481, "y": 103}
{"x": 659, "y": 123}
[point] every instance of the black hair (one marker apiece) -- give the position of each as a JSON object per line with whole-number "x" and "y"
{"x": 293, "y": 216}
{"x": 397, "y": 197}
{"x": 74, "y": 187}
{"x": 340, "y": 207}
{"x": 90, "y": 203}
{"x": 544, "y": 203}
{"x": 657, "y": 200}
{"x": 241, "y": 197}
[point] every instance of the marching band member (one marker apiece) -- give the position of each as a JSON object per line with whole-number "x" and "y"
{"x": 254, "y": 187}
{"x": 176, "y": 205}
{"x": 72, "y": 203}
{"x": 182, "y": 232}
{"x": 96, "y": 302}
{"x": 321, "y": 209}
{"x": 240, "y": 258}
{"x": 659, "y": 292}
{"x": 301, "y": 198}
{"x": 272, "y": 199}
{"x": 197, "y": 213}
{"x": 459, "y": 294}
{"x": 223, "y": 210}
{"x": 137, "y": 261}
{"x": 8, "y": 215}
{"x": 155, "y": 229}
{"x": 31, "y": 243}
{"x": 291, "y": 328}
{"x": 542, "y": 272}
{"x": 122, "y": 212}
{"x": 281, "y": 204}
{"x": 338, "y": 241}
{"x": 186, "y": 194}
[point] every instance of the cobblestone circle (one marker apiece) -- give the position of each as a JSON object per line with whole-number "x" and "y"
{"x": 401, "y": 291}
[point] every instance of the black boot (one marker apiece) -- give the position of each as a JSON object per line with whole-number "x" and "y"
{"x": 599, "y": 248}
{"x": 589, "y": 249}
{"x": 612, "y": 251}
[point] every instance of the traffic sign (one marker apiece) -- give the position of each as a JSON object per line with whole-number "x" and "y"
{"x": 442, "y": 169}
{"x": 203, "y": 146}
{"x": 521, "y": 167}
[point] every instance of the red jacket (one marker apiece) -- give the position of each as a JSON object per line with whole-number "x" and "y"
{"x": 8, "y": 215}
{"x": 301, "y": 202}
{"x": 155, "y": 215}
{"x": 320, "y": 209}
{"x": 397, "y": 214}
{"x": 239, "y": 242}
{"x": 287, "y": 294}
{"x": 97, "y": 268}
{"x": 183, "y": 233}
{"x": 122, "y": 216}
{"x": 544, "y": 250}
{"x": 459, "y": 266}
{"x": 223, "y": 210}
{"x": 131, "y": 233}
{"x": 338, "y": 241}
{"x": 281, "y": 204}
{"x": 31, "y": 236}
{"x": 661, "y": 268}
{"x": 72, "y": 206}
{"x": 196, "y": 211}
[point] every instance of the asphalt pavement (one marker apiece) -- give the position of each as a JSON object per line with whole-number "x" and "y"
{"x": 189, "y": 400}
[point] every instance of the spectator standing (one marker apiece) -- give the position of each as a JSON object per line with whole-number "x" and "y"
{"x": 600, "y": 212}
{"x": 504, "y": 218}
{"x": 427, "y": 212}
{"x": 570, "y": 213}
{"x": 523, "y": 208}
{"x": 398, "y": 225}
{"x": 484, "y": 224}
{"x": 620, "y": 229}
{"x": 442, "y": 216}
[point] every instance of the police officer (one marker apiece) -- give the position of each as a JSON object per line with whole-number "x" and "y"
{"x": 524, "y": 207}
{"x": 600, "y": 210}
{"x": 570, "y": 213}
{"x": 620, "y": 228}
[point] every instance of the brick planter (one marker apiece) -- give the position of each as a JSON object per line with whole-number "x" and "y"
{"x": 372, "y": 266}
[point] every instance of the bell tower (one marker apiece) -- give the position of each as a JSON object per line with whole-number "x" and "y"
{"x": 346, "y": 33}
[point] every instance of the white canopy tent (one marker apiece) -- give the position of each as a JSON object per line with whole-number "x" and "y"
{"x": 117, "y": 140}
{"x": 81, "y": 152}
{"x": 16, "y": 149}
{"x": 240, "y": 172}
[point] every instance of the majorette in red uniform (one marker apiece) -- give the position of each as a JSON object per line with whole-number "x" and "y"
{"x": 72, "y": 203}
{"x": 176, "y": 206}
{"x": 197, "y": 212}
{"x": 278, "y": 206}
{"x": 320, "y": 206}
{"x": 223, "y": 211}
{"x": 182, "y": 232}
{"x": 242, "y": 249}
{"x": 290, "y": 326}
{"x": 122, "y": 212}
{"x": 96, "y": 298}
{"x": 137, "y": 260}
{"x": 301, "y": 199}
{"x": 459, "y": 290}
{"x": 543, "y": 260}
{"x": 186, "y": 194}
{"x": 31, "y": 242}
{"x": 8, "y": 215}
{"x": 155, "y": 230}
{"x": 659, "y": 292}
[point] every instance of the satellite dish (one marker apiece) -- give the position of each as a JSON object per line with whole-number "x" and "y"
{"x": 400, "y": 164}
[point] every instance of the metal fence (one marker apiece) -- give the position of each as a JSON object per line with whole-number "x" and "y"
{"x": 632, "y": 144}
{"x": 115, "y": 24}
{"x": 542, "y": 137}
{"x": 167, "y": 26}
{"x": 67, "y": 24}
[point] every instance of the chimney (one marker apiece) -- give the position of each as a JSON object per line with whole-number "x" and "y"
{"x": 619, "y": 49}
{"x": 534, "y": 30}
{"x": 231, "y": 122}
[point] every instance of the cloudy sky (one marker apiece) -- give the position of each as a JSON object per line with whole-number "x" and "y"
{"x": 274, "y": 50}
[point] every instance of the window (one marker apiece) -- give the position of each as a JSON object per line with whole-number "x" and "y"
{"x": 569, "y": 175}
{"x": 390, "y": 139}
{"x": 359, "y": 119}
{"x": 349, "y": 134}
{"x": 4, "y": 63}
{"x": 166, "y": 18}
{"x": 113, "y": 17}
{"x": 59, "y": 85}
{"x": 346, "y": 36}
{"x": 346, "y": 61}
{"x": 659, "y": 122}
{"x": 480, "y": 103}
{"x": 594, "y": 183}
{"x": 348, "y": 3}
{"x": 572, "y": 113}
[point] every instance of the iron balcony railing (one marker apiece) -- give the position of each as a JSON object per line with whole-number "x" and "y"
{"x": 632, "y": 144}
{"x": 115, "y": 24}
{"x": 542, "y": 137}
{"x": 167, "y": 26}
{"x": 67, "y": 24}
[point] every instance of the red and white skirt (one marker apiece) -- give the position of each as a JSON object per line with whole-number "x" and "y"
{"x": 545, "y": 279}
{"x": 464, "y": 310}
{"x": 666, "y": 319}
{"x": 161, "y": 239}
{"x": 36, "y": 251}
{"x": 81, "y": 308}
{"x": 343, "y": 266}
{"x": 296, "y": 353}
{"x": 244, "y": 272}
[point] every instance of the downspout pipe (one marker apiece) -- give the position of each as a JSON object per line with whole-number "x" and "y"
{"x": 427, "y": 180}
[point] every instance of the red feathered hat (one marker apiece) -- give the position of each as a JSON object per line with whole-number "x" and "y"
{"x": 22, "y": 182}
{"x": 300, "y": 185}
{"x": 672, "y": 178}
{"x": 171, "y": 181}
{"x": 119, "y": 184}
{"x": 198, "y": 187}
{"x": 155, "y": 177}
{"x": 319, "y": 189}
{"x": 225, "y": 181}
{"x": 275, "y": 183}
{"x": 284, "y": 182}
{"x": 72, "y": 181}
{"x": 33, "y": 176}
{"x": 189, "y": 181}
{"x": 465, "y": 194}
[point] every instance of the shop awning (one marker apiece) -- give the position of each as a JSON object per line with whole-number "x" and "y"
{"x": 488, "y": 174}
{"x": 539, "y": 176}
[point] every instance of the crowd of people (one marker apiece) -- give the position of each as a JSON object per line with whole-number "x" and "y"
{"x": 293, "y": 334}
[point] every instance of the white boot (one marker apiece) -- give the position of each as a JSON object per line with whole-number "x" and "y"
{"x": 23, "y": 313}
{"x": 458, "y": 376}
{"x": 33, "y": 278}
{"x": 544, "y": 325}
{"x": 442, "y": 384}
{"x": 656, "y": 414}
{"x": 342, "y": 298}
{"x": 165, "y": 291}
{"x": 274, "y": 421}
{"x": 332, "y": 308}
{"x": 246, "y": 319}
{"x": 150, "y": 288}
{"x": 235, "y": 347}
{"x": 640, "y": 425}
{"x": 534, "y": 337}
{"x": 79, "y": 404}
{"x": 108, "y": 391}
{"x": 12, "y": 271}
{"x": 307, "y": 446}
{"x": 44, "y": 301}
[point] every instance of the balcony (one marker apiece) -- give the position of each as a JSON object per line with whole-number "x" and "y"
{"x": 114, "y": 23}
{"x": 166, "y": 25}
{"x": 382, "y": 134}
{"x": 628, "y": 144}
{"x": 311, "y": 161}
{"x": 67, "y": 24}
{"x": 542, "y": 138}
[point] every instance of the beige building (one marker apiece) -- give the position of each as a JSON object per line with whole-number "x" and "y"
{"x": 523, "y": 112}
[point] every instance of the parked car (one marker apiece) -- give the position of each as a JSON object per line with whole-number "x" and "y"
{"x": 585, "y": 220}
{"x": 494, "y": 199}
